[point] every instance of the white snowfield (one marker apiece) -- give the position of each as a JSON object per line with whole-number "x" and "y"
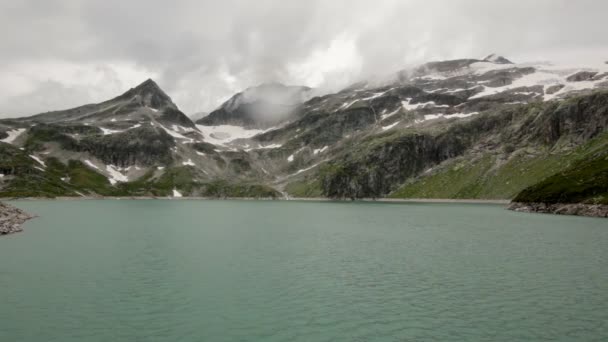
{"x": 173, "y": 133}
{"x": 176, "y": 193}
{"x": 546, "y": 74}
{"x": 189, "y": 162}
{"x": 12, "y": 135}
{"x": 222, "y": 135}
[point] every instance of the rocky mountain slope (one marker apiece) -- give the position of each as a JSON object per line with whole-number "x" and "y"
{"x": 466, "y": 128}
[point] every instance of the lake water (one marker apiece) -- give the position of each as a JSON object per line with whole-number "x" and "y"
{"x": 161, "y": 270}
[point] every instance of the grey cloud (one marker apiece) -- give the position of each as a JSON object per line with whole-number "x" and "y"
{"x": 201, "y": 52}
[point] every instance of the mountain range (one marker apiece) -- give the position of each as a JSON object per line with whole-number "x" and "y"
{"x": 469, "y": 128}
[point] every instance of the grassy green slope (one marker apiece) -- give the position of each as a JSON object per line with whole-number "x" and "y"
{"x": 500, "y": 177}
{"x": 485, "y": 177}
{"x": 585, "y": 181}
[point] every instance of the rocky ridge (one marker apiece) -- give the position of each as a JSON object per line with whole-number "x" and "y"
{"x": 468, "y": 128}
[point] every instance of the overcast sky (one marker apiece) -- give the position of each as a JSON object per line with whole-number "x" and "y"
{"x": 57, "y": 54}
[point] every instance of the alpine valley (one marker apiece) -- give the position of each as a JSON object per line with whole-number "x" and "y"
{"x": 459, "y": 129}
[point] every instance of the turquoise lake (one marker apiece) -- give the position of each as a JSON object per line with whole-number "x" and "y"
{"x": 188, "y": 270}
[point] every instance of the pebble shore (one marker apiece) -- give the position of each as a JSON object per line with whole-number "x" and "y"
{"x": 579, "y": 209}
{"x": 11, "y": 219}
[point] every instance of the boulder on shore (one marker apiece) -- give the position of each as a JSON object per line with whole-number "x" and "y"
{"x": 11, "y": 219}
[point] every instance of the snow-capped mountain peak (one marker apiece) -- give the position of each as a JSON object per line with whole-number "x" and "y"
{"x": 494, "y": 58}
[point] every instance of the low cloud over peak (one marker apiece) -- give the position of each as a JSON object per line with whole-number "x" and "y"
{"x": 62, "y": 53}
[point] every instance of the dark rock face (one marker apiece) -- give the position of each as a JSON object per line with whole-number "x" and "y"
{"x": 375, "y": 171}
{"x": 11, "y": 219}
{"x": 324, "y": 128}
{"x": 581, "y": 76}
{"x": 446, "y": 66}
{"x": 501, "y": 78}
{"x": 14, "y": 161}
{"x": 147, "y": 94}
{"x": 150, "y": 95}
{"x": 144, "y": 145}
{"x": 386, "y": 165}
{"x": 141, "y": 146}
{"x": 439, "y": 99}
{"x": 554, "y": 89}
{"x": 497, "y": 59}
{"x": 175, "y": 116}
{"x": 584, "y": 118}
{"x": 577, "y": 209}
{"x": 42, "y": 133}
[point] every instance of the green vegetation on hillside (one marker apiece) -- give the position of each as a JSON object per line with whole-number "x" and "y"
{"x": 585, "y": 181}
{"x": 486, "y": 177}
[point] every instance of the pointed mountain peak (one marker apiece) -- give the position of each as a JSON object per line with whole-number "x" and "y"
{"x": 150, "y": 94}
{"x": 494, "y": 58}
{"x": 149, "y": 86}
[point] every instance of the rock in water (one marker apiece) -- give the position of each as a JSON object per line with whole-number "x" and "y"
{"x": 11, "y": 219}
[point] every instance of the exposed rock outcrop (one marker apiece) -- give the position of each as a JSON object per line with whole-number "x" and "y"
{"x": 11, "y": 219}
{"x": 581, "y": 76}
{"x": 577, "y": 209}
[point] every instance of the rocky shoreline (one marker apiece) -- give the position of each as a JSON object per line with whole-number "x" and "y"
{"x": 576, "y": 209}
{"x": 11, "y": 219}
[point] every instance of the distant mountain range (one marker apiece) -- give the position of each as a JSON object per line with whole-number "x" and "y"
{"x": 470, "y": 128}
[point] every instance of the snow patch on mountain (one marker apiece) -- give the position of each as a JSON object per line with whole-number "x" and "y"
{"x": 388, "y": 115}
{"x": 38, "y": 160}
{"x": 386, "y": 128}
{"x": 12, "y": 135}
{"x": 89, "y": 163}
{"x": 115, "y": 175}
{"x": 448, "y": 116}
{"x": 224, "y": 134}
{"x": 320, "y": 150}
{"x": 107, "y": 131}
